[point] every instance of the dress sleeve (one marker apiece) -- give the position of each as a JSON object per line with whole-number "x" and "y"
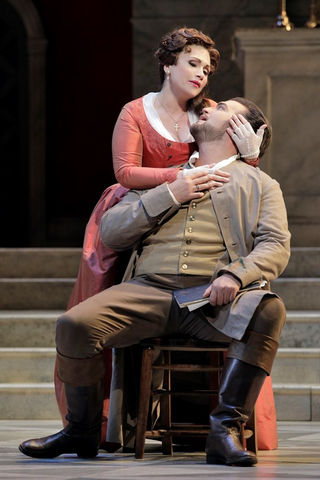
{"x": 127, "y": 153}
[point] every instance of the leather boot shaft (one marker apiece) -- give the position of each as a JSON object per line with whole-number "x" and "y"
{"x": 85, "y": 406}
{"x": 239, "y": 389}
{"x": 240, "y": 385}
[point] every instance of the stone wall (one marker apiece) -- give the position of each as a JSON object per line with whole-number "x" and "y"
{"x": 218, "y": 18}
{"x": 282, "y": 76}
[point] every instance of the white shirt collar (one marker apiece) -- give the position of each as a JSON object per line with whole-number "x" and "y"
{"x": 223, "y": 163}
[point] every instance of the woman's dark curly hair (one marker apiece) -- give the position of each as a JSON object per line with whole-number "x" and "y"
{"x": 170, "y": 47}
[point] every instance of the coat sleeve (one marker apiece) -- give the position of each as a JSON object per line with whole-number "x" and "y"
{"x": 138, "y": 213}
{"x": 271, "y": 245}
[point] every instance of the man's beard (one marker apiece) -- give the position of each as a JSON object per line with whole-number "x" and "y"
{"x": 204, "y": 132}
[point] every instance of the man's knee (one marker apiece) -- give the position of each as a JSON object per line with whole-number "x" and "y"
{"x": 70, "y": 333}
{"x": 269, "y": 317}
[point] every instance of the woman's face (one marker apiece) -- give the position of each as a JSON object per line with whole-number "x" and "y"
{"x": 190, "y": 75}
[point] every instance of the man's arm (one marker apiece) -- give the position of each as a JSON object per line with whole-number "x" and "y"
{"x": 270, "y": 253}
{"x": 140, "y": 211}
{"x": 271, "y": 247}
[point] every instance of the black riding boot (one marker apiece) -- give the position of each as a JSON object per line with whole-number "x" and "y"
{"x": 82, "y": 434}
{"x": 239, "y": 389}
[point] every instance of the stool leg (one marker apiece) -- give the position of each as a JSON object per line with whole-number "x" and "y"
{"x": 165, "y": 412}
{"x": 144, "y": 400}
{"x": 252, "y": 442}
{"x": 215, "y": 359}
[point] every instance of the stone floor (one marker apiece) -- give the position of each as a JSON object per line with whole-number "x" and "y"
{"x": 298, "y": 457}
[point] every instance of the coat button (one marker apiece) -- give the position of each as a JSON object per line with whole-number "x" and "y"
{"x": 184, "y": 266}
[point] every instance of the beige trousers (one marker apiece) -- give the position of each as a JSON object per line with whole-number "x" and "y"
{"x": 144, "y": 307}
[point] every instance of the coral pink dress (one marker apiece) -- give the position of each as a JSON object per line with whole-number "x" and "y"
{"x": 136, "y": 143}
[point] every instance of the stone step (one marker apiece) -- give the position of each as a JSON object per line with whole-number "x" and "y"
{"x": 27, "y": 365}
{"x": 64, "y": 262}
{"x": 37, "y": 402}
{"x": 304, "y": 262}
{"x": 35, "y": 293}
{"x": 28, "y": 328}
{"x": 292, "y": 365}
{"x": 297, "y": 365}
{"x": 295, "y": 402}
{"x": 36, "y": 328}
{"x": 54, "y": 293}
{"x": 32, "y": 394}
{"x": 39, "y": 262}
{"x": 302, "y": 329}
{"x": 35, "y": 287}
{"x": 28, "y": 401}
{"x": 298, "y": 293}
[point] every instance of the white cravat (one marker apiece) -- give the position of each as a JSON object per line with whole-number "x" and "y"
{"x": 205, "y": 168}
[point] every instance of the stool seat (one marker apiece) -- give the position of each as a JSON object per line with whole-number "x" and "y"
{"x": 165, "y": 428}
{"x": 183, "y": 344}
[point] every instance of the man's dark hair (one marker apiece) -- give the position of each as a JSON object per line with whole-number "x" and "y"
{"x": 256, "y": 118}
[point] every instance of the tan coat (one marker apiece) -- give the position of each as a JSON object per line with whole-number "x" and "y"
{"x": 252, "y": 217}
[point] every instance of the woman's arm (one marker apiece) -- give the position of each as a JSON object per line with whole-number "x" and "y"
{"x": 127, "y": 152}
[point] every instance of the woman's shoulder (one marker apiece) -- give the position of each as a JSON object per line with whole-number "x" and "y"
{"x": 134, "y": 105}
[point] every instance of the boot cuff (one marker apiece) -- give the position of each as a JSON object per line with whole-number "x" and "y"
{"x": 80, "y": 372}
{"x": 256, "y": 349}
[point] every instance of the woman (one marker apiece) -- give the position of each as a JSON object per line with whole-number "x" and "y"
{"x": 153, "y": 131}
{"x": 151, "y": 137}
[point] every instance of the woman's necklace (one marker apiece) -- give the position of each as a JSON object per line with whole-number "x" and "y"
{"x": 176, "y": 125}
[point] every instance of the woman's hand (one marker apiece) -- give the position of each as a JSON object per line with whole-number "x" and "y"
{"x": 219, "y": 176}
{"x": 190, "y": 187}
{"x": 247, "y": 141}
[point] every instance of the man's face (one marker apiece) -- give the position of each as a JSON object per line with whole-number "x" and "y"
{"x": 214, "y": 121}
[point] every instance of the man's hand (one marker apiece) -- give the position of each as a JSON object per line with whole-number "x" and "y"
{"x": 186, "y": 188}
{"x": 223, "y": 290}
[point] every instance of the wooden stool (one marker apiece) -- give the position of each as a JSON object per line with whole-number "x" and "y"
{"x": 168, "y": 429}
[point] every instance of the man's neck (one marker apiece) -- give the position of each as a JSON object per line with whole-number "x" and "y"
{"x": 214, "y": 152}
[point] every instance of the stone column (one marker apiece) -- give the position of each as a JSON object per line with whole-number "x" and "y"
{"x": 282, "y": 75}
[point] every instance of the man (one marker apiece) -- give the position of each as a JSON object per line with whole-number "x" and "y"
{"x": 191, "y": 233}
